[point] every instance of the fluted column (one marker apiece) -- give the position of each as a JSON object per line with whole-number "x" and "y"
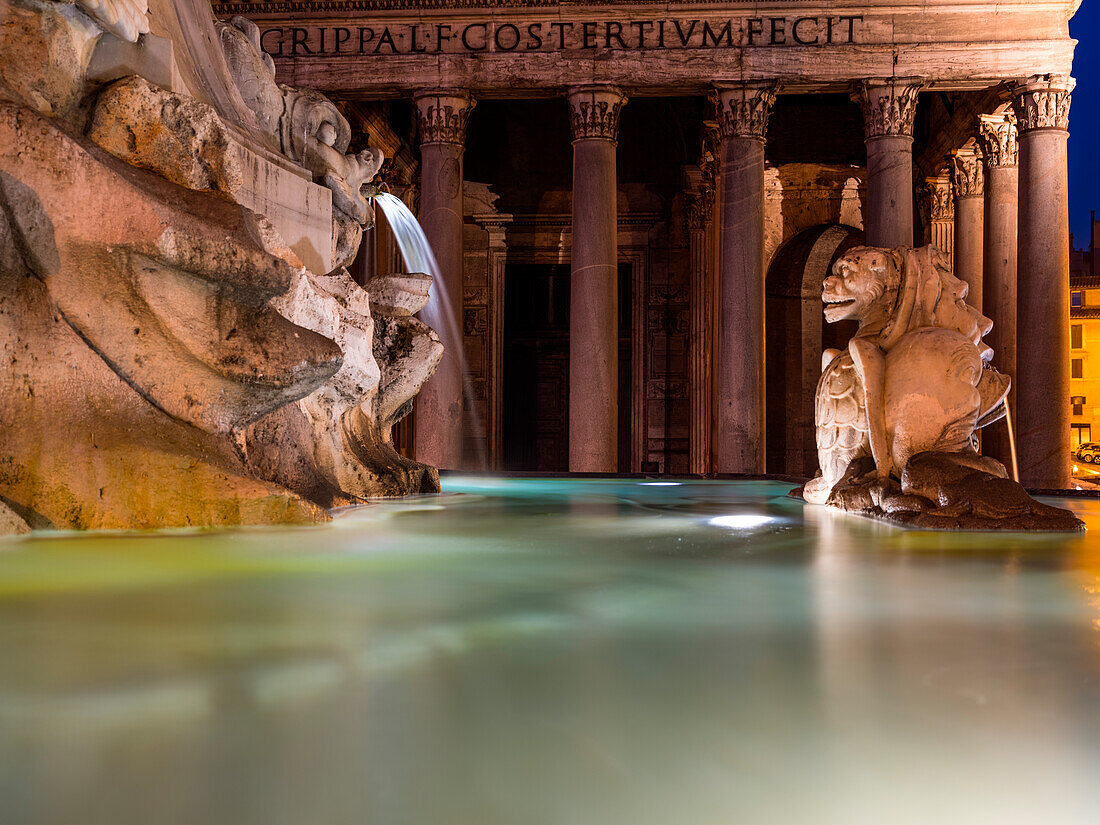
{"x": 743, "y": 120}
{"x": 594, "y": 283}
{"x": 941, "y": 214}
{"x": 889, "y": 106}
{"x": 700, "y": 209}
{"x": 1041, "y": 105}
{"x": 442, "y": 118}
{"x": 968, "y": 182}
{"x": 997, "y": 134}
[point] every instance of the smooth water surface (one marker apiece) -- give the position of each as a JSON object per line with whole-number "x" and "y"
{"x": 553, "y": 652}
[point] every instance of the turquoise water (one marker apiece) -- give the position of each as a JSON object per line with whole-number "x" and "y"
{"x": 554, "y": 652}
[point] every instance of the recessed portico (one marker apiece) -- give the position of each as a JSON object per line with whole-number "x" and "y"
{"x": 868, "y": 104}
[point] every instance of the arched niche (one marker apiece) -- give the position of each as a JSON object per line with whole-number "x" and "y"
{"x": 795, "y": 336}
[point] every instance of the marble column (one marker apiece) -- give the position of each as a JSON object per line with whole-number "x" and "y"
{"x": 1041, "y": 105}
{"x": 941, "y": 214}
{"x": 442, "y": 119}
{"x": 594, "y": 282}
{"x": 997, "y": 134}
{"x": 743, "y": 111}
{"x": 889, "y": 106}
{"x": 968, "y": 182}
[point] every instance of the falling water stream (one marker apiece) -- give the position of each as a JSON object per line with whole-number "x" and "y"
{"x": 1012, "y": 442}
{"x": 439, "y": 313}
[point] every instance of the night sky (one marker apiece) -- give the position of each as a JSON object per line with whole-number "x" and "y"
{"x": 1084, "y": 122}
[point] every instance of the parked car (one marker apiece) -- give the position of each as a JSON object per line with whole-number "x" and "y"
{"x": 1089, "y": 453}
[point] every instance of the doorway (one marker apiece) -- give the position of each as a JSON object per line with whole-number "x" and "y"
{"x": 535, "y": 380}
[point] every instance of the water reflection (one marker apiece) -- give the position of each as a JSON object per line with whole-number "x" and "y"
{"x": 554, "y": 652}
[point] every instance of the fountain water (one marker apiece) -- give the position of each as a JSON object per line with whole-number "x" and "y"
{"x": 1011, "y": 441}
{"x": 439, "y": 313}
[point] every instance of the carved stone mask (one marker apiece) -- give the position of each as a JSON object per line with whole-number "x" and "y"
{"x": 860, "y": 279}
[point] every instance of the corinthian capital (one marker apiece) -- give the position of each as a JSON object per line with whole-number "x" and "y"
{"x": 889, "y": 106}
{"x": 966, "y": 172}
{"x": 997, "y": 135}
{"x": 443, "y": 115}
{"x": 594, "y": 112}
{"x": 743, "y": 109}
{"x": 1042, "y": 102}
{"x": 938, "y": 191}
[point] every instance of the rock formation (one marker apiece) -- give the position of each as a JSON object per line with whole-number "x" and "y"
{"x": 897, "y": 411}
{"x": 173, "y": 231}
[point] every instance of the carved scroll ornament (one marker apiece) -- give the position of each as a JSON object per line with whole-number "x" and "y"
{"x": 1042, "y": 102}
{"x": 443, "y": 117}
{"x": 997, "y": 135}
{"x": 743, "y": 110}
{"x": 889, "y": 106}
{"x": 594, "y": 112}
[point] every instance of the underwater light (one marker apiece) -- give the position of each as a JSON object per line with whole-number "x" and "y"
{"x": 742, "y": 522}
{"x": 660, "y": 483}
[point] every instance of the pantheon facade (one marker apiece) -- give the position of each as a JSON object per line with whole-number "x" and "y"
{"x": 634, "y": 206}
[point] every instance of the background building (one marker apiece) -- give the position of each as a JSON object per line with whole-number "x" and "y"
{"x": 635, "y": 206}
{"x": 1084, "y": 355}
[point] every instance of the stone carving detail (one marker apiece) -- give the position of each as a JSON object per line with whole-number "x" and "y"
{"x": 443, "y": 117}
{"x": 897, "y": 409}
{"x": 335, "y": 445}
{"x": 997, "y": 136}
{"x": 126, "y": 19}
{"x": 941, "y": 206}
{"x": 700, "y": 209}
{"x": 967, "y": 178}
{"x": 308, "y": 129}
{"x": 594, "y": 112}
{"x": 146, "y": 307}
{"x": 172, "y": 361}
{"x": 743, "y": 110}
{"x": 889, "y": 106}
{"x": 1042, "y": 102}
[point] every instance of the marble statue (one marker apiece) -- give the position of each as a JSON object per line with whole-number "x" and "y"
{"x": 896, "y": 412}
{"x": 174, "y": 228}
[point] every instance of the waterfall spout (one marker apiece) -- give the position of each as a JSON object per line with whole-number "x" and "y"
{"x": 438, "y": 314}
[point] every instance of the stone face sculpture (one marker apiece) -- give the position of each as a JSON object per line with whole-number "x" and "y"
{"x": 152, "y": 323}
{"x": 897, "y": 411}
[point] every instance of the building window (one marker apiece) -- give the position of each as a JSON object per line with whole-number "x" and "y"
{"x": 1080, "y": 434}
{"x": 1077, "y": 368}
{"x": 1076, "y": 298}
{"x": 1076, "y": 337}
{"x": 1078, "y": 402}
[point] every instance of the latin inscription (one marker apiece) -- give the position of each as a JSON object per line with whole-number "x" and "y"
{"x": 545, "y": 36}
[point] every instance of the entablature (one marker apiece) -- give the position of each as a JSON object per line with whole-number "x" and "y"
{"x": 391, "y": 48}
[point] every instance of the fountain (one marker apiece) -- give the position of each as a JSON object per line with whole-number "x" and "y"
{"x": 182, "y": 347}
{"x": 896, "y": 411}
{"x": 417, "y": 254}
{"x": 186, "y": 347}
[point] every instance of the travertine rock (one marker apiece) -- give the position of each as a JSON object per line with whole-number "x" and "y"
{"x": 896, "y": 411}
{"x": 948, "y": 491}
{"x": 132, "y": 343}
{"x": 399, "y": 294}
{"x": 163, "y": 348}
{"x": 406, "y": 348}
{"x": 10, "y": 522}
{"x": 335, "y": 445}
{"x": 175, "y": 136}
{"x": 45, "y": 48}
